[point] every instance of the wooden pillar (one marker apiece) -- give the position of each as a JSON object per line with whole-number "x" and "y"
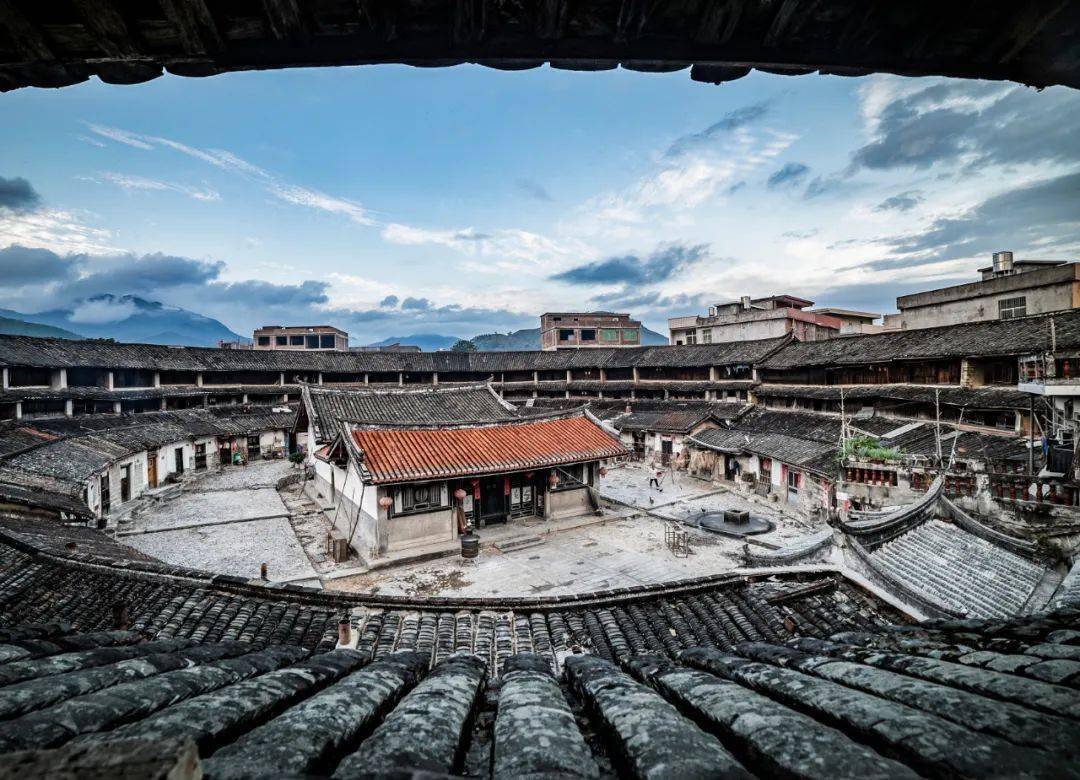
{"x": 434, "y": 377}
{"x": 157, "y": 379}
{"x": 69, "y": 408}
{"x": 110, "y": 381}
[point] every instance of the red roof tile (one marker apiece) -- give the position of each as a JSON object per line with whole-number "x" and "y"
{"x": 403, "y": 455}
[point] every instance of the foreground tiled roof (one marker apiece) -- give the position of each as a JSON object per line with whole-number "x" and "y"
{"x": 947, "y": 700}
{"x": 402, "y": 455}
{"x": 110, "y": 665}
{"x": 329, "y": 407}
{"x": 1023, "y": 336}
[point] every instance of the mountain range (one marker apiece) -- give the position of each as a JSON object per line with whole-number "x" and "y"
{"x": 524, "y": 339}
{"x": 123, "y": 318}
{"x": 128, "y": 318}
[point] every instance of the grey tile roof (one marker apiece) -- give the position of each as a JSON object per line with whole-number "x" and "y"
{"x": 328, "y": 408}
{"x": 1024, "y": 336}
{"x": 713, "y": 695}
{"x": 950, "y": 395}
{"x": 62, "y": 353}
{"x": 797, "y": 674}
{"x": 54, "y": 457}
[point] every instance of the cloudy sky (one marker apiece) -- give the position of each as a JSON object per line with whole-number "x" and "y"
{"x": 392, "y": 201}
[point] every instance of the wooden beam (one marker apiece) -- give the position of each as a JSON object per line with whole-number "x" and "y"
{"x": 286, "y": 21}
{"x": 633, "y": 14}
{"x": 381, "y": 15}
{"x": 551, "y": 18}
{"x": 28, "y": 37}
{"x": 711, "y": 19}
{"x": 107, "y": 27}
{"x": 194, "y": 25}
{"x": 1029, "y": 22}
{"x": 780, "y": 22}
{"x": 469, "y": 21}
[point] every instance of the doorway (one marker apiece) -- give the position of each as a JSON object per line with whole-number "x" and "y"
{"x": 492, "y": 500}
{"x": 125, "y": 483}
{"x": 106, "y": 504}
{"x": 178, "y": 456}
{"x": 151, "y": 469}
{"x": 200, "y": 457}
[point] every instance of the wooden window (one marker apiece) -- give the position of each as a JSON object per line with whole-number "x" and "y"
{"x": 281, "y": 341}
{"x": 630, "y": 334}
{"x": 264, "y": 341}
{"x": 425, "y": 497}
{"x": 794, "y": 478}
{"x": 326, "y": 342}
{"x": 296, "y": 341}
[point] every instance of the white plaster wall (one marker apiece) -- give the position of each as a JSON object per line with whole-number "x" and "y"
{"x": 567, "y": 503}
{"x": 166, "y": 461}
{"x": 1039, "y": 301}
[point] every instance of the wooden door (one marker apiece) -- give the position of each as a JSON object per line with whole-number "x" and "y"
{"x": 151, "y": 470}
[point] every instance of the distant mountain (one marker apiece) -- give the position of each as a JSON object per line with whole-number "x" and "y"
{"x": 429, "y": 342}
{"x": 14, "y": 327}
{"x": 132, "y": 319}
{"x": 529, "y": 338}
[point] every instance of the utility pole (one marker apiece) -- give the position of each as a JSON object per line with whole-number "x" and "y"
{"x": 937, "y": 423}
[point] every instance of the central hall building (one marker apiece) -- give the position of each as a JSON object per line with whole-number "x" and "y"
{"x": 395, "y": 465}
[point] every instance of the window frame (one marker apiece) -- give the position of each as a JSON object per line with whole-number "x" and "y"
{"x": 1012, "y": 308}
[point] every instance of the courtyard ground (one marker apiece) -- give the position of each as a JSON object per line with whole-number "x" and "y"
{"x": 619, "y": 552}
{"x": 232, "y": 521}
{"x": 229, "y": 522}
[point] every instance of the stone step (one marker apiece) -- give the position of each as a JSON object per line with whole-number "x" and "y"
{"x": 519, "y": 543}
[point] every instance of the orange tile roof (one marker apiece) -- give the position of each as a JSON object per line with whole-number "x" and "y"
{"x": 404, "y": 455}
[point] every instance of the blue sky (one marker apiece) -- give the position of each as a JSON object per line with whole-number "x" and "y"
{"x": 395, "y": 200}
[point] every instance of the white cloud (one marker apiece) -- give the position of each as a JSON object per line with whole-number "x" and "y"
{"x": 286, "y": 192}
{"x": 60, "y": 231}
{"x": 120, "y": 136}
{"x": 131, "y": 182}
{"x": 309, "y": 198}
{"x": 102, "y": 310}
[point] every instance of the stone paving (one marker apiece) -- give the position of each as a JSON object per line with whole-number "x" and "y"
{"x": 629, "y": 483}
{"x": 234, "y": 548}
{"x": 224, "y": 538}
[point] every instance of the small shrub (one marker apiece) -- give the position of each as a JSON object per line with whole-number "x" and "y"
{"x": 866, "y": 448}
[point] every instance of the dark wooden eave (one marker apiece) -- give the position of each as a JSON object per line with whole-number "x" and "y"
{"x": 54, "y": 44}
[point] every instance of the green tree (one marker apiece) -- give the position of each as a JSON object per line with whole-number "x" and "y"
{"x": 463, "y": 345}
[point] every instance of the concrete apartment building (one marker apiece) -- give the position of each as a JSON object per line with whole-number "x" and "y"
{"x": 750, "y": 319}
{"x": 307, "y": 338}
{"x": 1007, "y": 289}
{"x": 585, "y": 330}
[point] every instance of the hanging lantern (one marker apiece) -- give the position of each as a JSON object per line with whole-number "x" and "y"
{"x": 460, "y": 494}
{"x": 553, "y": 480}
{"x": 386, "y": 502}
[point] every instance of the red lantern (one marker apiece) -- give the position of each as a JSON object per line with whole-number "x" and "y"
{"x": 460, "y": 494}
{"x": 386, "y": 502}
{"x": 506, "y": 486}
